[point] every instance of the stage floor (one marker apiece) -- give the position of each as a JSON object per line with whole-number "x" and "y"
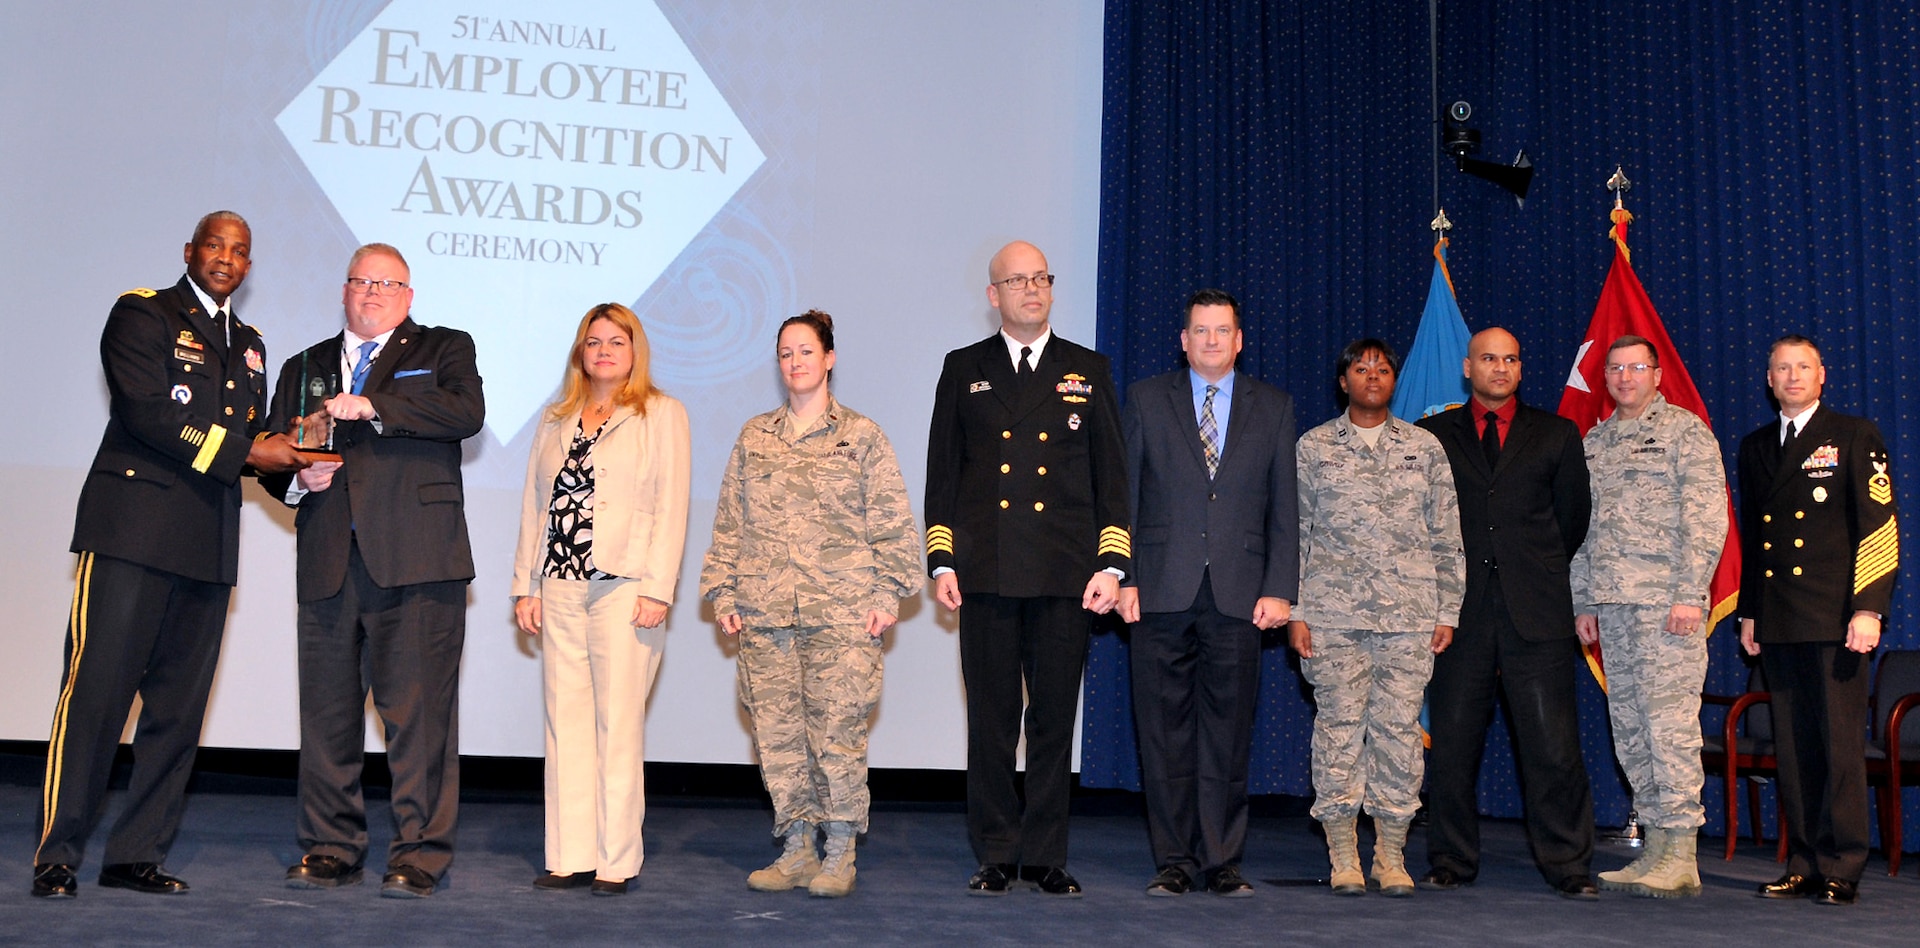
{"x": 913, "y": 866}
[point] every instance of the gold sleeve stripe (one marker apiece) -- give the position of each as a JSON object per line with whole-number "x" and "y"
{"x": 1116, "y": 540}
{"x": 57, "y": 743}
{"x": 210, "y": 450}
{"x": 1879, "y": 554}
{"x": 193, "y": 436}
{"x": 939, "y": 539}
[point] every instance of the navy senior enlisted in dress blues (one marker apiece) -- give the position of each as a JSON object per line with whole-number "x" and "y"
{"x": 1027, "y": 516}
{"x": 158, "y": 534}
{"x": 1820, "y": 544}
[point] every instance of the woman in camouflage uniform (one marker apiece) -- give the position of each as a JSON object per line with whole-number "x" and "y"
{"x": 1381, "y": 579}
{"x": 814, "y": 544}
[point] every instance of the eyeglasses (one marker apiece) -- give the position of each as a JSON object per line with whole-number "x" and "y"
{"x": 376, "y": 287}
{"x": 1624, "y": 368}
{"x": 1018, "y": 283}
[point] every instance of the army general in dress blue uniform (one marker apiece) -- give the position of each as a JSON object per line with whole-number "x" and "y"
{"x": 158, "y": 538}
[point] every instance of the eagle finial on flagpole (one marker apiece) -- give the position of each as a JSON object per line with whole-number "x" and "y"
{"x": 1440, "y": 224}
{"x": 1619, "y": 185}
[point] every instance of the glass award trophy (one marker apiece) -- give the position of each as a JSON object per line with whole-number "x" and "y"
{"x": 313, "y": 428}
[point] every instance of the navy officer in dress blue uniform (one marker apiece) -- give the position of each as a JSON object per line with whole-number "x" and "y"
{"x": 1027, "y": 518}
{"x": 1820, "y": 543}
{"x": 158, "y": 538}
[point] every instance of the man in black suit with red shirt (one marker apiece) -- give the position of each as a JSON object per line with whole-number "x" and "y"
{"x": 1524, "y": 504}
{"x": 1820, "y": 544}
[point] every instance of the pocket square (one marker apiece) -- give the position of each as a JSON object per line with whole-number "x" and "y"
{"x": 409, "y": 373}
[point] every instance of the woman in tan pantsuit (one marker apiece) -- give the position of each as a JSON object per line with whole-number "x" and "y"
{"x": 603, "y": 522}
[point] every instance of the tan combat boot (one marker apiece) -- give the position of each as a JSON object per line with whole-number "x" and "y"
{"x": 1389, "y": 857}
{"x": 796, "y": 866}
{"x": 1677, "y": 874}
{"x": 1652, "y": 847}
{"x": 836, "y": 871}
{"x": 1343, "y": 849}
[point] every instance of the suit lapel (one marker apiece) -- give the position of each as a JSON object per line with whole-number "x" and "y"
{"x": 390, "y": 355}
{"x": 1244, "y": 398}
{"x": 1036, "y": 390}
{"x": 997, "y": 369}
{"x": 1517, "y": 432}
{"x": 1470, "y": 441}
{"x": 1180, "y": 403}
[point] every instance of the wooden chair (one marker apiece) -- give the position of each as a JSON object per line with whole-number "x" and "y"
{"x": 1893, "y": 750}
{"x": 1732, "y": 755}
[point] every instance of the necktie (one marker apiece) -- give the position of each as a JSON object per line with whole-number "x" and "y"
{"x": 361, "y": 368}
{"x": 222, "y": 319}
{"x": 1793, "y": 431}
{"x": 1210, "y": 432}
{"x": 1490, "y": 439}
{"x": 1023, "y": 369}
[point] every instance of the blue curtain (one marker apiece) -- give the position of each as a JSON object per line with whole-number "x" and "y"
{"x": 1283, "y": 151}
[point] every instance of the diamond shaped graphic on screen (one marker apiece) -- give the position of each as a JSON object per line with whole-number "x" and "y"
{"x": 530, "y": 159}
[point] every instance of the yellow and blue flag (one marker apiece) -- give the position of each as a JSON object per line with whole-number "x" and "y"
{"x": 1430, "y": 376}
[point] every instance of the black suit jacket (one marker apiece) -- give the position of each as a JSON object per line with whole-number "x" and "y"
{"x": 1241, "y": 526}
{"x": 1819, "y": 533}
{"x": 1523, "y": 519}
{"x": 399, "y": 492}
{"x": 1026, "y": 481}
{"x": 164, "y": 489}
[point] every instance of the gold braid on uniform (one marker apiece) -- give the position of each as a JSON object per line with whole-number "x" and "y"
{"x": 1878, "y": 555}
{"x": 1112, "y": 540}
{"x": 939, "y": 539}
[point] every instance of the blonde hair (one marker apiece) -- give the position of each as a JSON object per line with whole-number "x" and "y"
{"x": 639, "y": 386}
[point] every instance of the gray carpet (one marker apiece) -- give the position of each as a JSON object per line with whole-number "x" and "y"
{"x": 912, "y": 868}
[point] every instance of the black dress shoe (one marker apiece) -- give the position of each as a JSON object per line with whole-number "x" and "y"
{"x": 54, "y": 880}
{"x": 603, "y": 887}
{"x": 1442, "y": 879}
{"x": 992, "y": 878}
{"x": 406, "y": 882}
{"x": 553, "y": 881}
{"x": 317, "y": 871}
{"x": 1227, "y": 882}
{"x": 1577, "y": 887}
{"x": 1052, "y": 880}
{"x": 1790, "y": 886}
{"x": 1838, "y": 892}
{"x": 1170, "y": 881}
{"x": 141, "y": 877}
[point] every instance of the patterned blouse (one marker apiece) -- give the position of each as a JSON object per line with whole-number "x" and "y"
{"x": 570, "y": 514}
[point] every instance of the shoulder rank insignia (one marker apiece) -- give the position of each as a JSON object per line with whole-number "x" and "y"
{"x": 1826, "y": 455}
{"x": 141, "y": 292}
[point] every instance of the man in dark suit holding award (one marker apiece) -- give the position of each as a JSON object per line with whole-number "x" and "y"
{"x": 384, "y": 564}
{"x": 1820, "y": 543}
{"x": 1210, "y": 461}
{"x": 158, "y": 534}
{"x": 1027, "y": 515}
{"x": 1524, "y": 505}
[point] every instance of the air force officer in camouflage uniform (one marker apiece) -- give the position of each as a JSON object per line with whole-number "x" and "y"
{"x": 813, "y": 548}
{"x": 1381, "y": 581}
{"x": 1640, "y": 587}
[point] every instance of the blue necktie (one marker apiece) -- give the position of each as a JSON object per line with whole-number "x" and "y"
{"x": 360, "y": 368}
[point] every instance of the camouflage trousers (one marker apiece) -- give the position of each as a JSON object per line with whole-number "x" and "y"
{"x": 1367, "y": 692}
{"x": 811, "y": 692}
{"x": 1653, "y": 699}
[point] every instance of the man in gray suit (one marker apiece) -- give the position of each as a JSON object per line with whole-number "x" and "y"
{"x": 1210, "y": 461}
